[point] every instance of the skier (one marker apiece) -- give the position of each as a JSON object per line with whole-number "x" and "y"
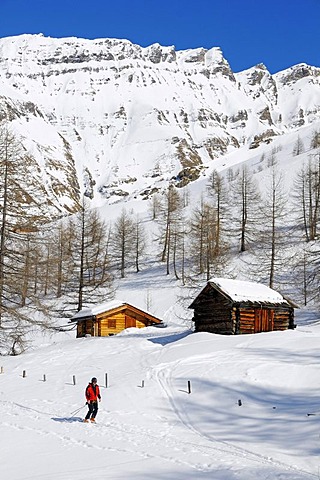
{"x": 92, "y": 397}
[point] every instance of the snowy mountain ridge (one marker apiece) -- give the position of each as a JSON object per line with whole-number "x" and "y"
{"x": 112, "y": 119}
{"x": 117, "y": 121}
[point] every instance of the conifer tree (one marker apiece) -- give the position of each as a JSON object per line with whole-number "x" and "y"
{"x": 81, "y": 260}
{"x": 207, "y": 255}
{"x": 124, "y": 242}
{"x": 307, "y": 197}
{"x": 247, "y": 202}
{"x": 90, "y": 257}
{"x": 140, "y": 242}
{"x": 274, "y": 231}
{"x": 170, "y": 225}
{"x": 219, "y": 199}
{"x": 298, "y": 147}
{"x": 21, "y": 216}
{"x": 315, "y": 140}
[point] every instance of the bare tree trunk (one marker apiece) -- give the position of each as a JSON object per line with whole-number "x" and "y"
{"x": 3, "y": 230}
{"x": 273, "y": 240}
{"x": 175, "y": 248}
{"x": 167, "y": 256}
{"x": 124, "y": 242}
{"x": 81, "y": 269}
{"x": 171, "y": 210}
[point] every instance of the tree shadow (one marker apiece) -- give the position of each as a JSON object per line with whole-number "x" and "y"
{"x": 285, "y": 356}
{"x": 224, "y": 473}
{"x": 266, "y": 415}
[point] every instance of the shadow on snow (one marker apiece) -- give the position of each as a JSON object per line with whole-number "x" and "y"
{"x": 67, "y": 419}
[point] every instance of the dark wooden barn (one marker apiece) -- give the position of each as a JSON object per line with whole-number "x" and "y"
{"x": 232, "y": 307}
{"x": 111, "y": 318}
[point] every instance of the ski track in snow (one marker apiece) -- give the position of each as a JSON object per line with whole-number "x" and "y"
{"x": 164, "y": 374}
{"x": 152, "y": 428}
{"x": 116, "y": 431}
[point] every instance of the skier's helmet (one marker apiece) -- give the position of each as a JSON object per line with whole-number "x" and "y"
{"x": 93, "y": 380}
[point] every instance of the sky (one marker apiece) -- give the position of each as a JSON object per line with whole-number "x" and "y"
{"x": 278, "y": 33}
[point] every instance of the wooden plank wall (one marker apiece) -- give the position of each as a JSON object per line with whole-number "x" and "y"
{"x": 213, "y": 314}
{"x": 84, "y": 328}
{"x": 213, "y": 322}
{"x": 246, "y": 317}
{"x": 120, "y": 319}
{"x": 103, "y": 320}
{"x": 282, "y": 319}
{"x": 217, "y": 316}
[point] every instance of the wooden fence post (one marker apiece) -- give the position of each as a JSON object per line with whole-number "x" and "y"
{"x": 189, "y": 386}
{"x": 24, "y": 374}
{"x": 44, "y": 378}
{"x": 74, "y": 379}
{"x": 2, "y": 370}
{"x": 106, "y": 380}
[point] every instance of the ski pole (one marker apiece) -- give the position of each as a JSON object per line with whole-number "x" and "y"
{"x": 78, "y": 409}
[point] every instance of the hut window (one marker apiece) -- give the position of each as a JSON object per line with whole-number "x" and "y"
{"x": 112, "y": 323}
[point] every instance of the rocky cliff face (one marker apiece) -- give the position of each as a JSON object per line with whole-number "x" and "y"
{"x": 110, "y": 119}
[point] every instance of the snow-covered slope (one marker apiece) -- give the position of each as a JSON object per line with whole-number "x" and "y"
{"x": 123, "y": 119}
{"x": 246, "y": 417}
{"x": 115, "y": 120}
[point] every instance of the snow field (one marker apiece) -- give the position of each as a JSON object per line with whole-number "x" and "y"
{"x": 158, "y": 430}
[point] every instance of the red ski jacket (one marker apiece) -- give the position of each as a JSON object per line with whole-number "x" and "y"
{"x": 92, "y": 393}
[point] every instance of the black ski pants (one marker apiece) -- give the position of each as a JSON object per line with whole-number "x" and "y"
{"x": 93, "y": 410}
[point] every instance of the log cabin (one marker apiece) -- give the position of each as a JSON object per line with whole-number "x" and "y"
{"x": 232, "y": 307}
{"x": 110, "y": 318}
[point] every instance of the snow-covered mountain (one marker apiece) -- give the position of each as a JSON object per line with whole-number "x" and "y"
{"x": 117, "y": 121}
{"x": 113, "y": 119}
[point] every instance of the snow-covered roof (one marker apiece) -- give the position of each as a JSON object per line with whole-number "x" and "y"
{"x": 244, "y": 291}
{"x": 100, "y": 308}
{"x": 105, "y": 307}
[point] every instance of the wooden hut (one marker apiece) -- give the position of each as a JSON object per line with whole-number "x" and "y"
{"x": 111, "y": 318}
{"x": 232, "y": 307}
